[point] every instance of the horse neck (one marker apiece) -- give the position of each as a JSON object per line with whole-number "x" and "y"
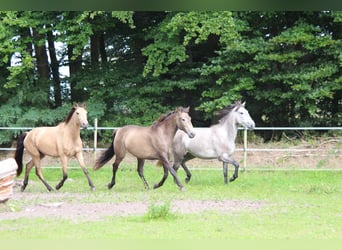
{"x": 72, "y": 128}
{"x": 170, "y": 126}
{"x": 230, "y": 126}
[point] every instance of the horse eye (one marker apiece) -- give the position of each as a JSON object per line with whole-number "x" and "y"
{"x": 77, "y": 113}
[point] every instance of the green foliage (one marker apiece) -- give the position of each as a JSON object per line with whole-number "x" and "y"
{"x": 131, "y": 67}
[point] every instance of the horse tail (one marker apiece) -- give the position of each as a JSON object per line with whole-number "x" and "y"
{"x": 105, "y": 156}
{"x": 19, "y": 153}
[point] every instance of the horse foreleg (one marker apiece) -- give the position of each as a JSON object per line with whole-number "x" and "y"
{"x": 141, "y": 172}
{"x": 236, "y": 171}
{"x": 80, "y": 160}
{"x": 188, "y": 174}
{"x": 167, "y": 167}
{"x": 166, "y": 173}
{"x": 226, "y": 159}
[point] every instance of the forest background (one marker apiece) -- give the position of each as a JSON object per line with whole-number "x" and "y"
{"x": 131, "y": 66}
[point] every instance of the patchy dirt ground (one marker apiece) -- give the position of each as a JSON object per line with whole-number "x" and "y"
{"x": 318, "y": 155}
{"x": 54, "y": 206}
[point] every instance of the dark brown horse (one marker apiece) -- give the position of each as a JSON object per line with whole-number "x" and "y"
{"x": 152, "y": 143}
{"x": 62, "y": 141}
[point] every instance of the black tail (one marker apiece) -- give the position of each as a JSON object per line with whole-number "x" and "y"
{"x": 105, "y": 156}
{"x": 19, "y": 153}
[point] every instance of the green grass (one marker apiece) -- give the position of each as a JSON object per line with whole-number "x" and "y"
{"x": 297, "y": 205}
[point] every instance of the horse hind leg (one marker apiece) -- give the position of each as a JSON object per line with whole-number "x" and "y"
{"x": 64, "y": 161}
{"x": 115, "y": 169}
{"x": 40, "y": 174}
{"x": 141, "y": 172}
{"x": 181, "y": 161}
{"x": 29, "y": 166}
{"x": 225, "y": 172}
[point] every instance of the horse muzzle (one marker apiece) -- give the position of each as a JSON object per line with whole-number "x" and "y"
{"x": 191, "y": 134}
{"x": 251, "y": 126}
{"x": 84, "y": 125}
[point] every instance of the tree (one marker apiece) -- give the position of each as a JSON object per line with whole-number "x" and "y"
{"x": 285, "y": 64}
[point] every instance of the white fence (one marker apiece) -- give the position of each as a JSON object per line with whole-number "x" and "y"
{"x": 245, "y": 149}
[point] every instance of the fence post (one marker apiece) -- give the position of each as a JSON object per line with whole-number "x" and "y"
{"x": 95, "y": 137}
{"x": 244, "y": 149}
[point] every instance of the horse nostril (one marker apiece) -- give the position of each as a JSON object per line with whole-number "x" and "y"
{"x": 85, "y": 125}
{"x": 192, "y": 135}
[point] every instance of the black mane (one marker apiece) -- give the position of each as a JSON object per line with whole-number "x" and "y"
{"x": 163, "y": 117}
{"x": 68, "y": 118}
{"x": 222, "y": 114}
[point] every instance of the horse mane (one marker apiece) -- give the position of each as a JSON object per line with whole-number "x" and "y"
{"x": 68, "y": 118}
{"x": 163, "y": 118}
{"x": 222, "y": 114}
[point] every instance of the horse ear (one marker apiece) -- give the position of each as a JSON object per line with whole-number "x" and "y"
{"x": 243, "y": 104}
{"x": 187, "y": 109}
{"x": 84, "y": 105}
{"x": 75, "y": 105}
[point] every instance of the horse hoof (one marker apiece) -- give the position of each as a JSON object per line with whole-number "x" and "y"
{"x": 232, "y": 179}
{"x": 92, "y": 188}
{"x": 183, "y": 189}
{"x": 187, "y": 180}
{"x": 110, "y": 185}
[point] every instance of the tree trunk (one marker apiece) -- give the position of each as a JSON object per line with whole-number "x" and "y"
{"x": 55, "y": 70}
{"x": 75, "y": 66}
{"x": 42, "y": 64}
{"x": 94, "y": 49}
{"x": 102, "y": 48}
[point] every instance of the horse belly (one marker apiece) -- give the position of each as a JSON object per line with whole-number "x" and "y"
{"x": 143, "y": 153}
{"x": 138, "y": 143}
{"x": 203, "y": 153}
{"x": 201, "y": 146}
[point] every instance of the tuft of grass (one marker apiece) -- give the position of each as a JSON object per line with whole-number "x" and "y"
{"x": 159, "y": 211}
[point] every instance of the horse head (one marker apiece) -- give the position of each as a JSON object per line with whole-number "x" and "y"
{"x": 183, "y": 121}
{"x": 242, "y": 116}
{"x": 81, "y": 115}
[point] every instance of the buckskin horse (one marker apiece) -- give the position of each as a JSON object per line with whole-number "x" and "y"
{"x": 62, "y": 141}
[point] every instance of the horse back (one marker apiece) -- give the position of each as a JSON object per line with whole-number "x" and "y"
{"x": 137, "y": 140}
